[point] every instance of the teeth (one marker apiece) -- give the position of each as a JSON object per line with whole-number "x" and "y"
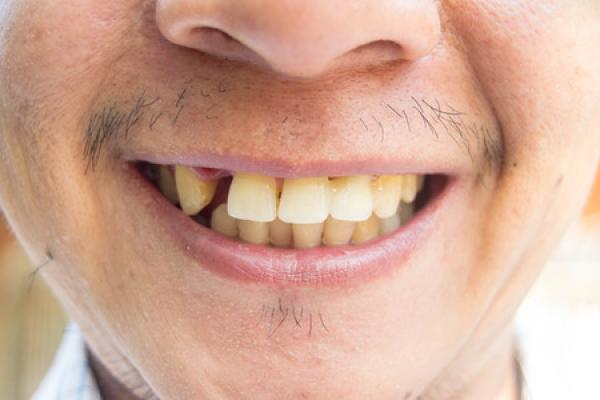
{"x": 387, "y": 192}
{"x": 252, "y": 197}
{"x": 166, "y": 183}
{"x": 366, "y": 230}
{"x": 410, "y": 188}
{"x": 351, "y": 198}
{"x": 281, "y": 233}
{"x": 299, "y": 213}
{"x": 406, "y": 212}
{"x": 304, "y": 200}
{"x": 194, "y": 193}
{"x": 221, "y": 222}
{"x": 389, "y": 224}
{"x": 307, "y": 235}
{"x": 337, "y": 232}
{"x": 420, "y": 182}
{"x": 254, "y": 232}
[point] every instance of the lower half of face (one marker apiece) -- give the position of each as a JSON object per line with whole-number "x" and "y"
{"x": 225, "y": 232}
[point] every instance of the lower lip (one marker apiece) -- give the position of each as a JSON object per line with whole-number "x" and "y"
{"x": 318, "y": 267}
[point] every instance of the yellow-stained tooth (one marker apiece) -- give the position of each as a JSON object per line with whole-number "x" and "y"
{"x": 389, "y": 224}
{"x": 387, "y": 192}
{"x": 406, "y": 212}
{"x": 351, "y": 198}
{"x": 409, "y": 188}
{"x": 194, "y": 193}
{"x": 307, "y": 235}
{"x": 366, "y": 230}
{"x": 420, "y": 182}
{"x": 166, "y": 183}
{"x": 254, "y": 232}
{"x": 252, "y": 197}
{"x": 304, "y": 200}
{"x": 337, "y": 232}
{"x": 221, "y": 222}
{"x": 280, "y": 233}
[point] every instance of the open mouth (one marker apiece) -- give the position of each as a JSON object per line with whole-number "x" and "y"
{"x": 298, "y": 213}
{"x": 325, "y": 230}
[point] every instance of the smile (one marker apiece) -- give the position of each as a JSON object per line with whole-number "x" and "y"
{"x": 305, "y": 230}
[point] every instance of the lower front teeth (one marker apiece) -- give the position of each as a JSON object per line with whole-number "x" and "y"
{"x": 366, "y": 231}
{"x": 389, "y": 224}
{"x": 223, "y": 223}
{"x": 307, "y": 235}
{"x": 280, "y": 233}
{"x": 254, "y": 232}
{"x": 301, "y": 212}
{"x": 337, "y": 232}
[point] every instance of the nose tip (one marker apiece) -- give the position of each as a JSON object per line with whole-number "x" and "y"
{"x": 302, "y": 38}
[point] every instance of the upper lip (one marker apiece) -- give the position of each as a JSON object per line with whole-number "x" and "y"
{"x": 281, "y": 168}
{"x": 309, "y": 148}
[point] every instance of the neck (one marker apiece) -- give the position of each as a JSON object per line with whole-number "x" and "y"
{"x": 111, "y": 388}
{"x": 495, "y": 376}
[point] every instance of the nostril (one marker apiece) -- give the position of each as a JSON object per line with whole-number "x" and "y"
{"x": 382, "y": 50}
{"x": 388, "y": 46}
{"x": 218, "y": 43}
{"x": 212, "y": 34}
{"x": 213, "y": 39}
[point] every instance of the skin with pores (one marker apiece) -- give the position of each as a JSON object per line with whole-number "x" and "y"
{"x": 504, "y": 95}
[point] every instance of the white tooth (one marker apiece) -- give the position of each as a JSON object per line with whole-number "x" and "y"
{"x": 194, "y": 193}
{"x": 406, "y": 212}
{"x": 409, "y": 188}
{"x": 366, "y": 230}
{"x": 281, "y": 233}
{"x": 337, "y": 232}
{"x": 166, "y": 183}
{"x": 307, "y": 235}
{"x": 252, "y": 197}
{"x": 387, "y": 192}
{"x": 304, "y": 200}
{"x": 221, "y": 222}
{"x": 351, "y": 198}
{"x": 389, "y": 224}
{"x": 254, "y": 232}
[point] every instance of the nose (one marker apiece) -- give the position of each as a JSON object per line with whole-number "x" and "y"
{"x": 303, "y": 38}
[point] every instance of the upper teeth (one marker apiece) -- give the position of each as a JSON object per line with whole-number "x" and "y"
{"x": 302, "y": 211}
{"x": 167, "y": 185}
{"x": 351, "y": 198}
{"x": 387, "y": 192}
{"x": 194, "y": 193}
{"x": 304, "y": 200}
{"x": 253, "y": 197}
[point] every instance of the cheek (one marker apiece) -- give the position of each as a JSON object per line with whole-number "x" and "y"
{"x": 539, "y": 73}
{"x": 44, "y": 50}
{"x": 542, "y": 81}
{"x": 48, "y": 48}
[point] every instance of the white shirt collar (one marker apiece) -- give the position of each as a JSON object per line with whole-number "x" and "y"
{"x": 70, "y": 377}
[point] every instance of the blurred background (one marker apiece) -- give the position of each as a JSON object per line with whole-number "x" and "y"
{"x": 557, "y": 323}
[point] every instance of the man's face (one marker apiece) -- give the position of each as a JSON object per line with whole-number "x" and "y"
{"x": 494, "y": 104}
